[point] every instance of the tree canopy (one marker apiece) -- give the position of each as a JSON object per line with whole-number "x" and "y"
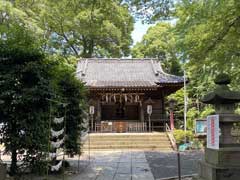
{"x": 160, "y": 42}
{"x": 29, "y": 78}
{"x": 208, "y": 33}
{"x": 41, "y": 40}
{"x": 83, "y": 28}
{"x": 206, "y": 41}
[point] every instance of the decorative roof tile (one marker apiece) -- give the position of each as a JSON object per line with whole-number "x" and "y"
{"x": 123, "y": 73}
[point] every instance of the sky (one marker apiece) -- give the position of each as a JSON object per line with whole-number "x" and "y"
{"x": 139, "y": 30}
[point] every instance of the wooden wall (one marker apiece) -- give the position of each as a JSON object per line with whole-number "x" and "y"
{"x": 157, "y": 110}
{"x": 109, "y": 112}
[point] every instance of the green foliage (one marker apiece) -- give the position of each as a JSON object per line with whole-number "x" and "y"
{"x": 28, "y": 78}
{"x": 160, "y": 43}
{"x": 197, "y": 144}
{"x": 178, "y": 110}
{"x": 208, "y": 110}
{"x": 87, "y": 28}
{"x": 24, "y": 83}
{"x": 237, "y": 110}
{"x": 180, "y": 135}
{"x": 151, "y": 10}
{"x": 207, "y": 34}
{"x": 192, "y": 115}
{"x": 74, "y": 93}
{"x": 81, "y": 28}
{"x": 39, "y": 167}
{"x": 208, "y": 38}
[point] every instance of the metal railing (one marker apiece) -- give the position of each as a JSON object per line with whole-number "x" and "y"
{"x": 171, "y": 137}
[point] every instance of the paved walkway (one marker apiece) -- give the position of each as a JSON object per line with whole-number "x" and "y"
{"x": 128, "y": 165}
{"x": 122, "y": 165}
{"x": 164, "y": 165}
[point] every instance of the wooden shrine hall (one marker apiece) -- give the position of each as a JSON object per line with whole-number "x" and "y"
{"x": 121, "y": 91}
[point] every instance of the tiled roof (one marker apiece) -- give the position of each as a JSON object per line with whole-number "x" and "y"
{"x": 123, "y": 73}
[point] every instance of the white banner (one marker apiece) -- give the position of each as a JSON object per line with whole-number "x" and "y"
{"x": 58, "y": 120}
{"x": 213, "y": 132}
{"x": 52, "y": 155}
{"x": 56, "y": 133}
{"x": 57, "y": 167}
{"x": 57, "y": 144}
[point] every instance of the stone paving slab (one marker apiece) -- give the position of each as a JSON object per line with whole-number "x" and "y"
{"x": 129, "y": 165}
{"x": 164, "y": 165}
{"x": 125, "y": 165}
{"x": 122, "y": 177}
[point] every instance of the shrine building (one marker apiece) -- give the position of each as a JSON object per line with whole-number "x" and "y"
{"x": 122, "y": 93}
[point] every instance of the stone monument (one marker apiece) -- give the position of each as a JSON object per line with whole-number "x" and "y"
{"x": 223, "y": 163}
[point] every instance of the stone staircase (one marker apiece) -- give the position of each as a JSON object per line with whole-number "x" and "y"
{"x": 128, "y": 141}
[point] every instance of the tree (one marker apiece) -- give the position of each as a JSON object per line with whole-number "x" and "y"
{"x": 73, "y": 93}
{"x": 24, "y": 83}
{"x": 160, "y": 42}
{"x": 83, "y": 28}
{"x": 152, "y": 10}
{"x": 209, "y": 36}
{"x": 28, "y": 79}
{"x": 87, "y": 28}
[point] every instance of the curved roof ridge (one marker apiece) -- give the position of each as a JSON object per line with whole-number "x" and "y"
{"x": 118, "y": 59}
{"x": 163, "y": 72}
{"x": 131, "y": 72}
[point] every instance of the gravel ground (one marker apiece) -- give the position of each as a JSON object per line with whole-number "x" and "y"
{"x": 164, "y": 165}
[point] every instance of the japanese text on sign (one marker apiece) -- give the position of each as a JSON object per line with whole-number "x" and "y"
{"x": 213, "y": 132}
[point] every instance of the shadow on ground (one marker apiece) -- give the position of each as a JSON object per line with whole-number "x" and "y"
{"x": 164, "y": 165}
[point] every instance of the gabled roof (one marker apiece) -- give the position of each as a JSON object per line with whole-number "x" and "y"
{"x": 108, "y": 73}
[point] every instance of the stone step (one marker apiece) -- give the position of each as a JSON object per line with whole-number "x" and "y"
{"x": 86, "y": 151}
{"x": 127, "y": 142}
{"x": 127, "y": 135}
{"x": 157, "y": 141}
{"x": 138, "y": 141}
{"x": 151, "y": 146}
{"x": 133, "y": 138}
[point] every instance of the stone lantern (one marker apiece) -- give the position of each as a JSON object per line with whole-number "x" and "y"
{"x": 223, "y": 163}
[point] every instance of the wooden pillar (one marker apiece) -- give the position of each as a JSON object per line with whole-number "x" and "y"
{"x": 162, "y": 100}
{"x": 99, "y": 110}
{"x": 141, "y": 111}
{"x": 163, "y": 112}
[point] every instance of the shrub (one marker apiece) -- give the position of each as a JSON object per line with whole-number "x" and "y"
{"x": 180, "y": 135}
{"x": 39, "y": 167}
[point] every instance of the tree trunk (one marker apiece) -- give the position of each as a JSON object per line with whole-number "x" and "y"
{"x": 88, "y": 46}
{"x": 13, "y": 149}
{"x": 13, "y": 168}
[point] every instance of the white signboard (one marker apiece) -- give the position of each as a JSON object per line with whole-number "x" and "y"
{"x": 213, "y": 132}
{"x": 91, "y": 110}
{"x": 149, "y": 109}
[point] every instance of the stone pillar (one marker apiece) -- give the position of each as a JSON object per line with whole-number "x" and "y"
{"x": 223, "y": 163}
